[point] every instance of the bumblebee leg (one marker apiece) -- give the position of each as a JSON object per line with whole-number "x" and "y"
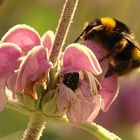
{"x": 77, "y": 39}
{"x": 93, "y": 30}
{"x": 89, "y": 33}
{"x": 109, "y": 54}
{"x": 118, "y": 48}
{"x": 118, "y": 69}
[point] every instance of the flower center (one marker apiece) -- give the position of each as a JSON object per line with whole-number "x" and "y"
{"x": 71, "y": 80}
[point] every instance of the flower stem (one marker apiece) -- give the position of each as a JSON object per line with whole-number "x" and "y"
{"x": 94, "y": 129}
{"x": 35, "y": 127}
{"x": 37, "y": 122}
{"x": 63, "y": 28}
{"x": 98, "y": 131}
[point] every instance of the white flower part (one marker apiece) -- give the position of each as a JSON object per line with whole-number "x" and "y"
{"x": 93, "y": 82}
{"x": 97, "y": 100}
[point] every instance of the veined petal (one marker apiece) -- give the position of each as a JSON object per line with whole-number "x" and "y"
{"x": 63, "y": 98}
{"x": 9, "y": 55}
{"x": 11, "y": 81}
{"x": 85, "y": 88}
{"x": 80, "y": 108}
{"x": 35, "y": 64}
{"x": 80, "y": 57}
{"x": 48, "y": 40}
{"x": 24, "y": 36}
{"x": 109, "y": 91}
{"x": 96, "y": 103}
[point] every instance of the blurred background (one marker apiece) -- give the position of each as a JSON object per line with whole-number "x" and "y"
{"x": 123, "y": 117}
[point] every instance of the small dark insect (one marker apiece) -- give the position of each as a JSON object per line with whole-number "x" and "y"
{"x": 123, "y": 51}
{"x": 71, "y": 80}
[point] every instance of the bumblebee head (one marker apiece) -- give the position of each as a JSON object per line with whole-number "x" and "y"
{"x": 110, "y": 27}
{"x": 90, "y": 25}
{"x": 89, "y": 28}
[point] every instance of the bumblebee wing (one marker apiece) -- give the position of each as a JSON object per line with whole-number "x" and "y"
{"x": 131, "y": 38}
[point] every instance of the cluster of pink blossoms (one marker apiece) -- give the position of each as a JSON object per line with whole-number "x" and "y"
{"x": 24, "y": 58}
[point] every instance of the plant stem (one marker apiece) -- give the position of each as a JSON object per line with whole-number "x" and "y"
{"x": 98, "y": 131}
{"x": 35, "y": 127}
{"x": 63, "y": 28}
{"x": 37, "y": 122}
{"x": 92, "y": 128}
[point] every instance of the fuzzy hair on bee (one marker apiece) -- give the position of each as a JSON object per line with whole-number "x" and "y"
{"x": 123, "y": 52}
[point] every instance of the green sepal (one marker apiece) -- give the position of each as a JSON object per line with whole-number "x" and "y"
{"x": 48, "y": 103}
{"x": 28, "y": 102}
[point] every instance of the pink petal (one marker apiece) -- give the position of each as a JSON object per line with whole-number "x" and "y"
{"x": 80, "y": 108}
{"x": 11, "y": 81}
{"x": 95, "y": 47}
{"x": 79, "y": 57}
{"x": 96, "y": 103}
{"x": 99, "y": 51}
{"x": 48, "y": 40}
{"x": 63, "y": 98}
{"x": 85, "y": 88}
{"x": 76, "y": 113}
{"x": 24, "y": 36}
{"x": 9, "y": 55}
{"x": 109, "y": 91}
{"x": 35, "y": 64}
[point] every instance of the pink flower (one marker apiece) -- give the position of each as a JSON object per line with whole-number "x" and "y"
{"x": 109, "y": 90}
{"x": 84, "y": 90}
{"x": 24, "y": 58}
{"x": 9, "y": 54}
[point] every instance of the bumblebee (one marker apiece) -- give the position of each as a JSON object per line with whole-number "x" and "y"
{"x": 123, "y": 52}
